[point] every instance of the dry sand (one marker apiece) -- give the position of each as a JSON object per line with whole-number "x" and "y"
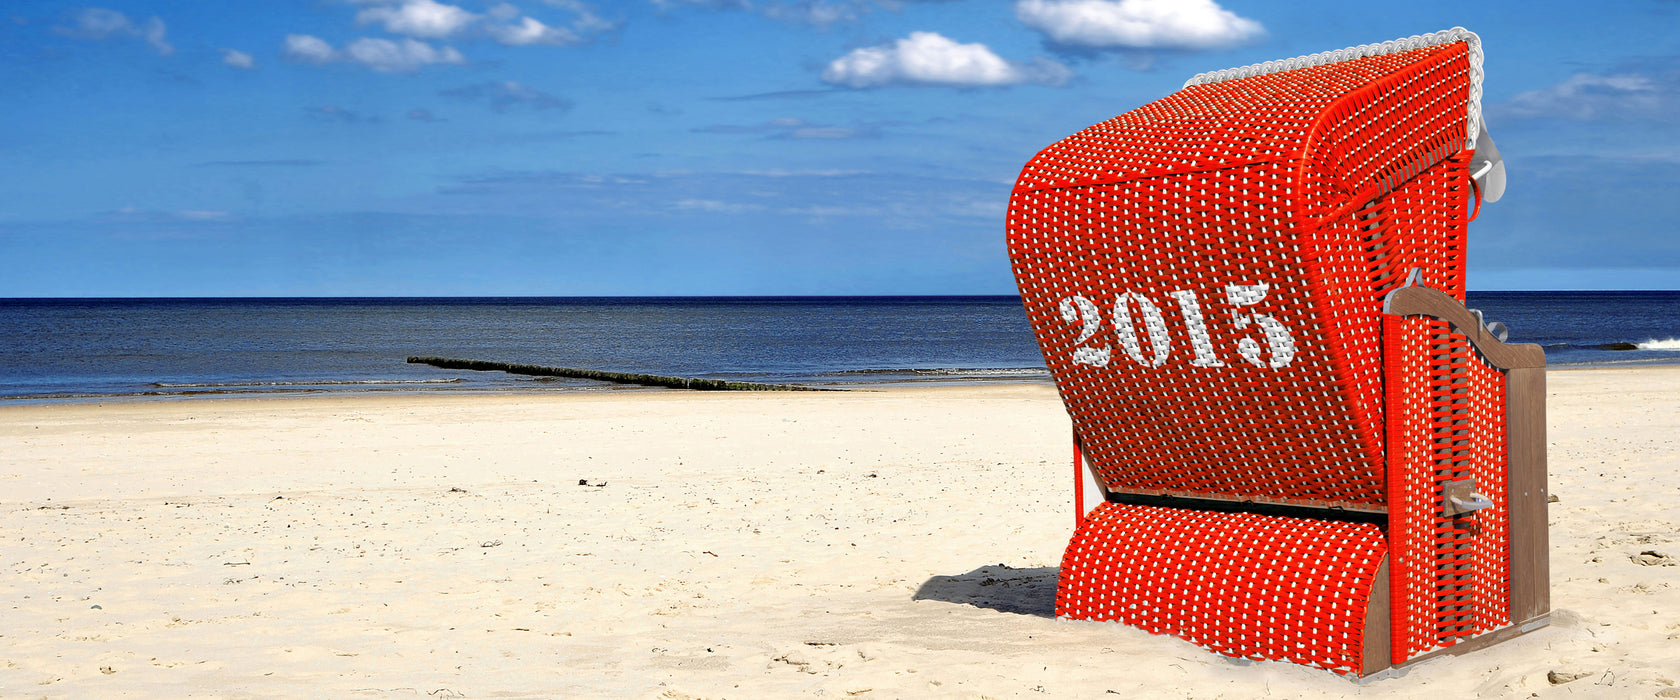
{"x": 893, "y": 543}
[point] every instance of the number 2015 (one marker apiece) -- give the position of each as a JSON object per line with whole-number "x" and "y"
{"x": 1279, "y": 341}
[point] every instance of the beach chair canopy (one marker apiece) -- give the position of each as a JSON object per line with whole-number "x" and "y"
{"x": 1205, "y": 273}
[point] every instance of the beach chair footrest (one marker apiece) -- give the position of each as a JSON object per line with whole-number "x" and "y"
{"x": 1240, "y": 584}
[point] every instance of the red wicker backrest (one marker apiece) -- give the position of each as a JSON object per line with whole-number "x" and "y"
{"x": 1205, "y": 273}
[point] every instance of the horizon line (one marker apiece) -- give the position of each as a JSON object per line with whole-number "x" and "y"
{"x": 678, "y": 296}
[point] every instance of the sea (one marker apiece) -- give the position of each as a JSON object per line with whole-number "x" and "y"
{"x": 68, "y": 350}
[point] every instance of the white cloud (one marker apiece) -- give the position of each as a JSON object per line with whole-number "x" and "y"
{"x": 425, "y": 19}
{"x": 137, "y": 214}
{"x": 335, "y": 113}
{"x": 515, "y": 30}
{"x": 824, "y": 133}
{"x": 418, "y": 20}
{"x": 307, "y": 49}
{"x": 238, "y": 59}
{"x": 530, "y": 31}
{"x": 714, "y": 206}
{"x": 805, "y": 173}
{"x": 1137, "y": 24}
{"x": 408, "y": 55}
{"x": 1589, "y": 97}
{"x": 814, "y": 12}
{"x": 203, "y": 215}
{"x": 926, "y": 58}
{"x": 817, "y": 13}
{"x": 502, "y": 22}
{"x": 506, "y": 95}
{"x": 504, "y": 11}
{"x": 586, "y": 16}
{"x": 382, "y": 55}
{"x": 794, "y": 128}
{"x": 99, "y": 24}
{"x": 709, "y": 4}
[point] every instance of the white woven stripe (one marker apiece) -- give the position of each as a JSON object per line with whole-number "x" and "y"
{"x": 1447, "y": 36}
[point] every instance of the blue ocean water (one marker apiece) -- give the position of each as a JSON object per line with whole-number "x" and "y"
{"x": 1584, "y": 328}
{"x": 59, "y": 349}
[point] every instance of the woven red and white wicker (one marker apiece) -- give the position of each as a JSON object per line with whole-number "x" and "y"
{"x": 1249, "y": 294}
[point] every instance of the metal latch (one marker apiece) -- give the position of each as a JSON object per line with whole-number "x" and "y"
{"x": 1459, "y": 497}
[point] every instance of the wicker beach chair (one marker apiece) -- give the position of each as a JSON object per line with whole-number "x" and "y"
{"x": 1292, "y": 440}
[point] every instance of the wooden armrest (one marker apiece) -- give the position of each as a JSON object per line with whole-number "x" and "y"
{"x": 1436, "y": 304}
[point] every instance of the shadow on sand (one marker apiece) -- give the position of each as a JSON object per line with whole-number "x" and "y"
{"x": 997, "y": 587}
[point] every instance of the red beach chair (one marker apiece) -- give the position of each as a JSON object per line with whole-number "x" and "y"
{"x": 1292, "y": 439}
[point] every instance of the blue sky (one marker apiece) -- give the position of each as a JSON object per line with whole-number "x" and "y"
{"x": 654, "y": 147}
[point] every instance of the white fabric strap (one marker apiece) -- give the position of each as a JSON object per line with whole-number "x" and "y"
{"x": 1448, "y": 36}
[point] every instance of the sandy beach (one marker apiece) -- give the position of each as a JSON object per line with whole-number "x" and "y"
{"x": 663, "y": 544}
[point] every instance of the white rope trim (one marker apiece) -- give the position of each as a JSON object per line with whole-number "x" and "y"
{"x": 1447, "y": 36}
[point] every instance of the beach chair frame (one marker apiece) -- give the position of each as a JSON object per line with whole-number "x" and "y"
{"x": 1315, "y": 453}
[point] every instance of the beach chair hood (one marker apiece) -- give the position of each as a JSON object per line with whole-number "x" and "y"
{"x": 1225, "y": 234}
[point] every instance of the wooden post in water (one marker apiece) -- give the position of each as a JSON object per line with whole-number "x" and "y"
{"x": 615, "y": 377}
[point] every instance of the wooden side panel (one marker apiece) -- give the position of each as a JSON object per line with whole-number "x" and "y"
{"x": 1525, "y": 425}
{"x": 1378, "y": 630}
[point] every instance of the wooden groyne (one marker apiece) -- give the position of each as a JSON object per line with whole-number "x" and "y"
{"x": 615, "y": 377}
